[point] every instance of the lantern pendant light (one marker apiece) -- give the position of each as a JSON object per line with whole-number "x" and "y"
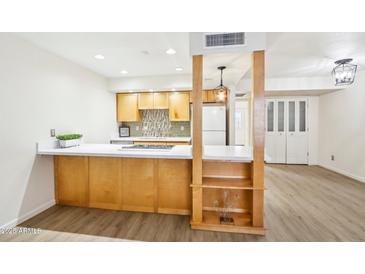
{"x": 221, "y": 87}
{"x": 344, "y": 72}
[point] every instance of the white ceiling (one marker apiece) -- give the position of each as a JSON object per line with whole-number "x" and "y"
{"x": 143, "y": 54}
{"x": 140, "y": 53}
{"x": 302, "y": 54}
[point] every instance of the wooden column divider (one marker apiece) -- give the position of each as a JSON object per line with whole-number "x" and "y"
{"x": 258, "y": 140}
{"x": 197, "y": 193}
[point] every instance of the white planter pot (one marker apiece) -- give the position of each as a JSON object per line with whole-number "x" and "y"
{"x": 69, "y": 143}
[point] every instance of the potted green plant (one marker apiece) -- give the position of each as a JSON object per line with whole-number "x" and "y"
{"x": 69, "y": 140}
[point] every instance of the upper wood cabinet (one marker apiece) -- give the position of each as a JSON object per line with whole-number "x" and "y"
{"x": 156, "y": 100}
{"x": 160, "y": 100}
{"x": 179, "y": 109}
{"x": 145, "y": 100}
{"x": 212, "y": 96}
{"x": 204, "y": 96}
{"x": 127, "y": 108}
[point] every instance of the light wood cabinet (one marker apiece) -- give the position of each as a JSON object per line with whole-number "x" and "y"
{"x": 127, "y": 108}
{"x": 132, "y": 184}
{"x": 179, "y": 108}
{"x": 174, "y": 179}
{"x": 71, "y": 174}
{"x": 105, "y": 182}
{"x": 160, "y": 100}
{"x": 145, "y": 100}
{"x": 138, "y": 185}
{"x": 211, "y": 96}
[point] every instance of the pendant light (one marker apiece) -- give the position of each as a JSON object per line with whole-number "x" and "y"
{"x": 221, "y": 87}
{"x": 344, "y": 72}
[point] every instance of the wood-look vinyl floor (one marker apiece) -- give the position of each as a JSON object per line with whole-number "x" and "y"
{"x": 301, "y": 204}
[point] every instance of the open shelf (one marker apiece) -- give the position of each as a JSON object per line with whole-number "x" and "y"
{"x": 227, "y": 183}
{"x": 242, "y": 223}
{"x": 240, "y": 219}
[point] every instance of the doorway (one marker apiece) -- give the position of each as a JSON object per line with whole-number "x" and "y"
{"x": 286, "y": 131}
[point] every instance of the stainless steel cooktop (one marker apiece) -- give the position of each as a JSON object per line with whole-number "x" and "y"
{"x": 151, "y": 147}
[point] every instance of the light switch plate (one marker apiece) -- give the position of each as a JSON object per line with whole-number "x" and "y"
{"x": 53, "y": 132}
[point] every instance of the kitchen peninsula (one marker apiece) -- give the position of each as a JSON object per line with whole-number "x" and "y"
{"x": 221, "y": 187}
{"x": 119, "y": 177}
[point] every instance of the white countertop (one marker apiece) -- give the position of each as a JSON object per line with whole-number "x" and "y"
{"x": 226, "y": 153}
{"x": 109, "y": 150}
{"x": 151, "y": 139}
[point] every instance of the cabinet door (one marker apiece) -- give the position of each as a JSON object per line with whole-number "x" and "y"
{"x": 160, "y": 100}
{"x": 72, "y": 180}
{"x": 138, "y": 185}
{"x": 211, "y": 96}
{"x": 127, "y": 108}
{"x": 204, "y": 96}
{"x": 145, "y": 100}
{"x": 179, "y": 106}
{"x": 174, "y": 179}
{"x": 105, "y": 182}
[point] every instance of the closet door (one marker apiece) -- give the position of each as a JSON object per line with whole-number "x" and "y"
{"x": 297, "y": 133}
{"x": 275, "y": 131}
{"x": 280, "y": 136}
{"x": 270, "y": 154}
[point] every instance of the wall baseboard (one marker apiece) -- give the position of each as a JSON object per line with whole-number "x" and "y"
{"x": 28, "y": 215}
{"x": 345, "y": 173}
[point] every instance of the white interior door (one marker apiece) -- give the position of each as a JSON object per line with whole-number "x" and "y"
{"x": 297, "y": 134}
{"x": 275, "y": 142}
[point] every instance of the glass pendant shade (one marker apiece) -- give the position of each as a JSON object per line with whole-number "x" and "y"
{"x": 344, "y": 73}
{"x": 221, "y": 87}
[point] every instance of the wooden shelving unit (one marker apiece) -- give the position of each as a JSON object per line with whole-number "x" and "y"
{"x": 227, "y": 190}
{"x": 228, "y": 196}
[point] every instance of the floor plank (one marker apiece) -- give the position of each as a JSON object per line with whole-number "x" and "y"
{"x": 301, "y": 204}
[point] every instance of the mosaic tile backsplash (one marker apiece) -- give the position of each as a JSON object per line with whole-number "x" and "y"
{"x": 156, "y": 123}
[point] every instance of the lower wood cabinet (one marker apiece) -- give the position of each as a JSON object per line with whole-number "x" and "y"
{"x": 72, "y": 180}
{"x": 174, "y": 192}
{"x": 105, "y": 182}
{"x": 131, "y": 184}
{"x": 138, "y": 184}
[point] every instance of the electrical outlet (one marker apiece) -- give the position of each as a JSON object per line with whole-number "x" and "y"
{"x": 137, "y": 128}
{"x": 53, "y": 132}
{"x": 182, "y": 128}
{"x": 332, "y": 157}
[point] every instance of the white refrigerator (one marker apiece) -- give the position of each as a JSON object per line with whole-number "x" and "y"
{"x": 214, "y": 125}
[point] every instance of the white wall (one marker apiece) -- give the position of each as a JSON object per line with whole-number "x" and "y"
{"x": 313, "y": 133}
{"x": 40, "y": 91}
{"x": 342, "y": 129}
{"x": 294, "y": 84}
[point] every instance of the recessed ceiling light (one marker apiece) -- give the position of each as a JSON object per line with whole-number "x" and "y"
{"x": 99, "y": 57}
{"x": 174, "y": 89}
{"x": 130, "y": 91}
{"x": 151, "y": 90}
{"x": 124, "y": 72}
{"x": 179, "y": 68}
{"x": 170, "y": 51}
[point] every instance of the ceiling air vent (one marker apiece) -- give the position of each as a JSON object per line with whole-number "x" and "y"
{"x": 224, "y": 39}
